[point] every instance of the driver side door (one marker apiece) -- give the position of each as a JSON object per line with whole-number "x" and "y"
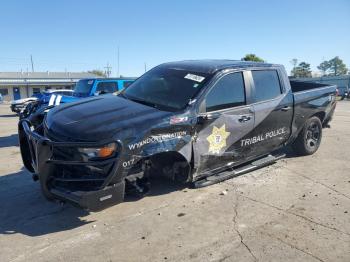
{"x": 226, "y": 119}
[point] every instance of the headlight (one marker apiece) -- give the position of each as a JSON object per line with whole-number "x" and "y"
{"x": 99, "y": 152}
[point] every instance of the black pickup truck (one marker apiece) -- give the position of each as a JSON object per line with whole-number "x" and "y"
{"x": 196, "y": 122}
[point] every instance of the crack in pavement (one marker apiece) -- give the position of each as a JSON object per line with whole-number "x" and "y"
{"x": 292, "y": 246}
{"x": 223, "y": 258}
{"x": 297, "y": 215}
{"x": 238, "y": 232}
{"x": 317, "y": 182}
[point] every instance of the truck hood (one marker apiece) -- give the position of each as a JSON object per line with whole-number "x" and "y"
{"x": 101, "y": 118}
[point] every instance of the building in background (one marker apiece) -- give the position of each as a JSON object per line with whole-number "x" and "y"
{"x": 342, "y": 82}
{"x": 16, "y": 85}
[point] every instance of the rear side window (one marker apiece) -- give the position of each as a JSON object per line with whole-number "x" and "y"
{"x": 267, "y": 85}
{"x": 227, "y": 92}
{"x": 106, "y": 87}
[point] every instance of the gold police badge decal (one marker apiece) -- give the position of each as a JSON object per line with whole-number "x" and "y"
{"x": 217, "y": 139}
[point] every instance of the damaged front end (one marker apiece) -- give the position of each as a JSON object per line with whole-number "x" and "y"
{"x": 83, "y": 173}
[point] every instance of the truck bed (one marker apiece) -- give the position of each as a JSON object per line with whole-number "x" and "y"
{"x": 311, "y": 99}
{"x": 306, "y": 91}
{"x": 299, "y": 86}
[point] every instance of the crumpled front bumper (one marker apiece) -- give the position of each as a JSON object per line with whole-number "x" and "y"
{"x": 16, "y": 108}
{"x": 67, "y": 179}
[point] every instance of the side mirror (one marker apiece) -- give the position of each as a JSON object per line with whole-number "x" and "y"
{"x": 201, "y": 119}
{"x": 207, "y": 117}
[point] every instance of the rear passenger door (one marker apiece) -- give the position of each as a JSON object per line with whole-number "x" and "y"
{"x": 273, "y": 107}
{"x": 225, "y": 117}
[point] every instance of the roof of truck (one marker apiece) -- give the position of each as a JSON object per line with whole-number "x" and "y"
{"x": 212, "y": 66}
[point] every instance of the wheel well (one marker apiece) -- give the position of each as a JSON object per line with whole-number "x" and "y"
{"x": 320, "y": 115}
{"x": 172, "y": 165}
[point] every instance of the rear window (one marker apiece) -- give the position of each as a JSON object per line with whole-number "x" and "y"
{"x": 267, "y": 85}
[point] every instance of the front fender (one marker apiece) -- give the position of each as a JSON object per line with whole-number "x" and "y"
{"x": 178, "y": 141}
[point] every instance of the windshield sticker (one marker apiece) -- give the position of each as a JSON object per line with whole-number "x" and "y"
{"x": 217, "y": 139}
{"x": 262, "y": 137}
{"x": 90, "y": 82}
{"x": 157, "y": 139}
{"x": 194, "y": 77}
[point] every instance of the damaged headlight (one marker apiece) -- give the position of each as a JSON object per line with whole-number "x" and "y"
{"x": 99, "y": 152}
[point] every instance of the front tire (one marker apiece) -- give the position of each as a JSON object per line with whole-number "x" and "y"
{"x": 309, "y": 138}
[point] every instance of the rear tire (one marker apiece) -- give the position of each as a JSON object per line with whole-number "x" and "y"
{"x": 309, "y": 138}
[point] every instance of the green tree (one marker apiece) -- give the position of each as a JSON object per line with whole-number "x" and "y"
{"x": 324, "y": 67}
{"x": 302, "y": 70}
{"x": 333, "y": 67}
{"x": 337, "y": 67}
{"x": 98, "y": 72}
{"x": 252, "y": 57}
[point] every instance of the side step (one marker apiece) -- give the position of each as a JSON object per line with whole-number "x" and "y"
{"x": 222, "y": 176}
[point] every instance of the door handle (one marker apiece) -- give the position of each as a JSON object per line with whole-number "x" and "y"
{"x": 285, "y": 108}
{"x": 244, "y": 119}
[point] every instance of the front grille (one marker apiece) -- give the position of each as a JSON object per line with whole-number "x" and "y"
{"x": 80, "y": 177}
{"x": 72, "y": 171}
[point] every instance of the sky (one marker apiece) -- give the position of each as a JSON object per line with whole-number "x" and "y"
{"x": 83, "y": 35}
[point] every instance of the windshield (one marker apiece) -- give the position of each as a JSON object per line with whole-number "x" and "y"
{"x": 83, "y": 87}
{"x": 167, "y": 89}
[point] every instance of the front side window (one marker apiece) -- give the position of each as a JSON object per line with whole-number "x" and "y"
{"x": 267, "y": 85}
{"x": 106, "y": 87}
{"x": 227, "y": 92}
{"x": 169, "y": 89}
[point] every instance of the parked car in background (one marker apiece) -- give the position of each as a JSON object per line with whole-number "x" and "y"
{"x": 45, "y": 96}
{"x": 18, "y": 105}
{"x": 1, "y": 98}
{"x": 197, "y": 122}
{"x": 345, "y": 95}
{"x": 83, "y": 89}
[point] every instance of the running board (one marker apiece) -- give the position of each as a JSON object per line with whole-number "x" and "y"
{"x": 222, "y": 176}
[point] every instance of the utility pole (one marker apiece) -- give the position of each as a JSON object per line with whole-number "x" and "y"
{"x": 118, "y": 75}
{"x": 108, "y": 70}
{"x": 31, "y": 60}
